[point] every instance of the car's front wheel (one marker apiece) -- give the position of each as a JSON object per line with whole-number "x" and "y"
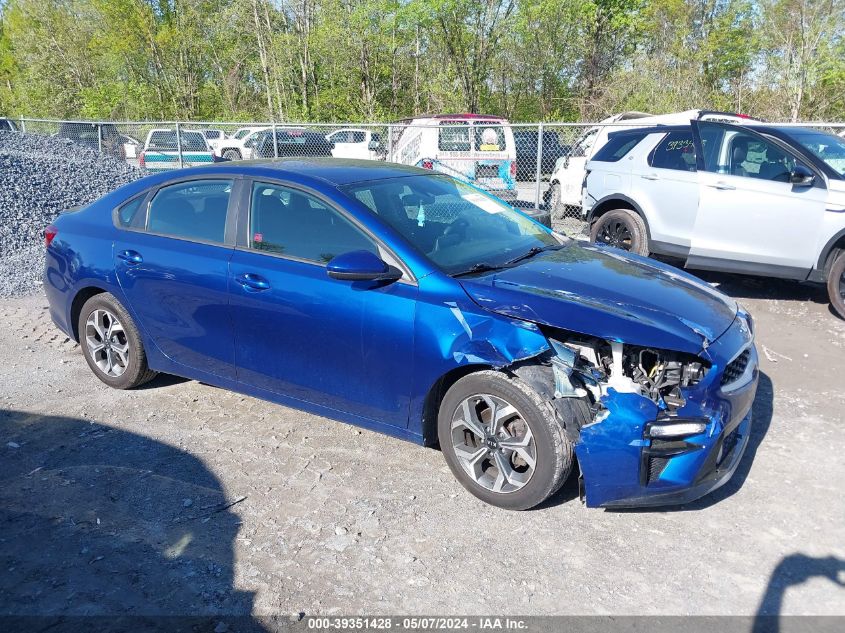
{"x": 232, "y": 154}
{"x": 112, "y": 344}
{"x": 502, "y": 441}
{"x": 836, "y": 284}
{"x": 621, "y": 228}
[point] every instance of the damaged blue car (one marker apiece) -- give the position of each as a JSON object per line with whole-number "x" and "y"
{"x": 413, "y": 304}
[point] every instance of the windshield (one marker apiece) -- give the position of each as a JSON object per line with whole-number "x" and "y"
{"x": 455, "y": 225}
{"x": 241, "y": 133}
{"x": 829, "y": 148}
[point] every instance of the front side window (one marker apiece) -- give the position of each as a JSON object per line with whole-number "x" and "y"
{"x": 740, "y": 153}
{"x": 289, "y": 222}
{"x": 194, "y": 210}
{"x": 455, "y": 225}
{"x": 676, "y": 151}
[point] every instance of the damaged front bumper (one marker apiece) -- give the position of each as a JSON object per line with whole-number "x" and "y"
{"x": 624, "y": 464}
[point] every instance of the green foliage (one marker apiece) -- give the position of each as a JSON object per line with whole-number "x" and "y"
{"x": 356, "y": 60}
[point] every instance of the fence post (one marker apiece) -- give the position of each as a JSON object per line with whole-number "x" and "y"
{"x": 100, "y": 137}
{"x": 179, "y": 144}
{"x": 539, "y": 173}
{"x": 23, "y": 124}
{"x": 275, "y": 140}
{"x": 390, "y": 143}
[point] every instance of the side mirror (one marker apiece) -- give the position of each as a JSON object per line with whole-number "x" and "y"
{"x": 801, "y": 176}
{"x": 361, "y": 266}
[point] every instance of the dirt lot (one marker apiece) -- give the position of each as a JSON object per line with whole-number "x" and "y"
{"x": 119, "y": 502}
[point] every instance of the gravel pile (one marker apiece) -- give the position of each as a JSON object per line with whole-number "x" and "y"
{"x": 40, "y": 177}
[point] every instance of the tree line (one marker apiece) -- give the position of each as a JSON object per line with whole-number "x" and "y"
{"x": 358, "y": 60}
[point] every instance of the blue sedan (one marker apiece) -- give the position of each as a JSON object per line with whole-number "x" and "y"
{"x": 411, "y": 303}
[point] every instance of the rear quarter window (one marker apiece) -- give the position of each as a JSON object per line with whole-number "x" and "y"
{"x": 617, "y": 147}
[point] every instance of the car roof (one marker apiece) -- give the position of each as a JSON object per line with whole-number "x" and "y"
{"x": 652, "y": 129}
{"x": 333, "y": 171}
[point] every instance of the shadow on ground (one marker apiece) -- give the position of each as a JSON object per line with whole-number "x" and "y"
{"x": 101, "y": 522}
{"x": 793, "y": 570}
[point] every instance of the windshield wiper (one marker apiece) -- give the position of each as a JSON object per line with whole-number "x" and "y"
{"x": 480, "y": 267}
{"x": 534, "y": 250}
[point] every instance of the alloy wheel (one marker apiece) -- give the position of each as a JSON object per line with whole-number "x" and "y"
{"x": 493, "y": 443}
{"x": 617, "y": 234}
{"x": 107, "y": 342}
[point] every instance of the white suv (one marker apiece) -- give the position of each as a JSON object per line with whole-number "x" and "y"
{"x": 756, "y": 199}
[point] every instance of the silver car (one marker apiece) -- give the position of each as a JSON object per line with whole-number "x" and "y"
{"x": 755, "y": 199}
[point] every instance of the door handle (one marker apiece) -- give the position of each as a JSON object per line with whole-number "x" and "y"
{"x": 251, "y": 281}
{"x": 723, "y": 186}
{"x": 650, "y": 176}
{"x": 130, "y": 257}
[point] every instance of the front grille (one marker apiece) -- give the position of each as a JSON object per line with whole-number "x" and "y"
{"x": 736, "y": 368}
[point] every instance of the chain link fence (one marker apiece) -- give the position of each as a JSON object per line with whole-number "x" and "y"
{"x": 532, "y": 166}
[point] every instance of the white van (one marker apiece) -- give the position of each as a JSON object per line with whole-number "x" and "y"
{"x": 476, "y": 148}
{"x": 356, "y": 143}
{"x": 567, "y": 177}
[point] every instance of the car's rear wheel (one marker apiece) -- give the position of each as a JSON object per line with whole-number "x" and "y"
{"x": 836, "y": 284}
{"x": 502, "y": 441}
{"x": 232, "y": 154}
{"x": 621, "y": 228}
{"x": 111, "y": 343}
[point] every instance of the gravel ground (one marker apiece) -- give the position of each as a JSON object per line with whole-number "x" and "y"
{"x": 41, "y": 176}
{"x": 119, "y": 502}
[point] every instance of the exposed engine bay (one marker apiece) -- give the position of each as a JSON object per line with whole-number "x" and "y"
{"x": 588, "y": 368}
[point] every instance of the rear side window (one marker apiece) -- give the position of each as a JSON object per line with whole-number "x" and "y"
{"x": 289, "y": 222}
{"x": 129, "y": 211}
{"x": 358, "y": 137}
{"x": 617, "y": 146}
{"x": 193, "y": 210}
{"x": 675, "y": 151}
{"x": 489, "y": 138}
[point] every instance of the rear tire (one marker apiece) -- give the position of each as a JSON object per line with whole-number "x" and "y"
{"x": 621, "y": 228}
{"x": 112, "y": 344}
{"x": 524, "y": 456}
{"x": 836, "y": 284}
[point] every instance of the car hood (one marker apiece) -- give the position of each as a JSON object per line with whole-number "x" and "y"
{"x": 609, "y": 294}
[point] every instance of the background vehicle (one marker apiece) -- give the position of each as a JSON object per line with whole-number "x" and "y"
{"x": 235, "y": 148}
{"x": 131, "y": 146}
{"x": 568, "y": 177}
{"x": 214, "y": 138}
{"x": 7, "y": 125}
{"x": 98, "y": 136}
{"x": 756, "y": 199}
{"x": 289, "y": 142}
{"x": 161, "y": 151}
{"x": 526, "y": 152}
{"x": 475, "y": 148}
{"x": 357, "y": 143}
{"x": 414, "y": 304}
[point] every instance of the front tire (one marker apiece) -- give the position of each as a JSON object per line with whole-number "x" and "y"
{"x": 621, "y": 228}
{"x": 502, "y": 441}
{"x": 232, "y": 154}
{"x": 112, "y": 344}
{"x": 836, "y": 284}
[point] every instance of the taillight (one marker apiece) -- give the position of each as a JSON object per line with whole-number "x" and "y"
{"x": 50, "y": 234}
{"x": 513, "y": 169}
{"x": 142, "y": 162}
{"x": 427, "y": 164}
